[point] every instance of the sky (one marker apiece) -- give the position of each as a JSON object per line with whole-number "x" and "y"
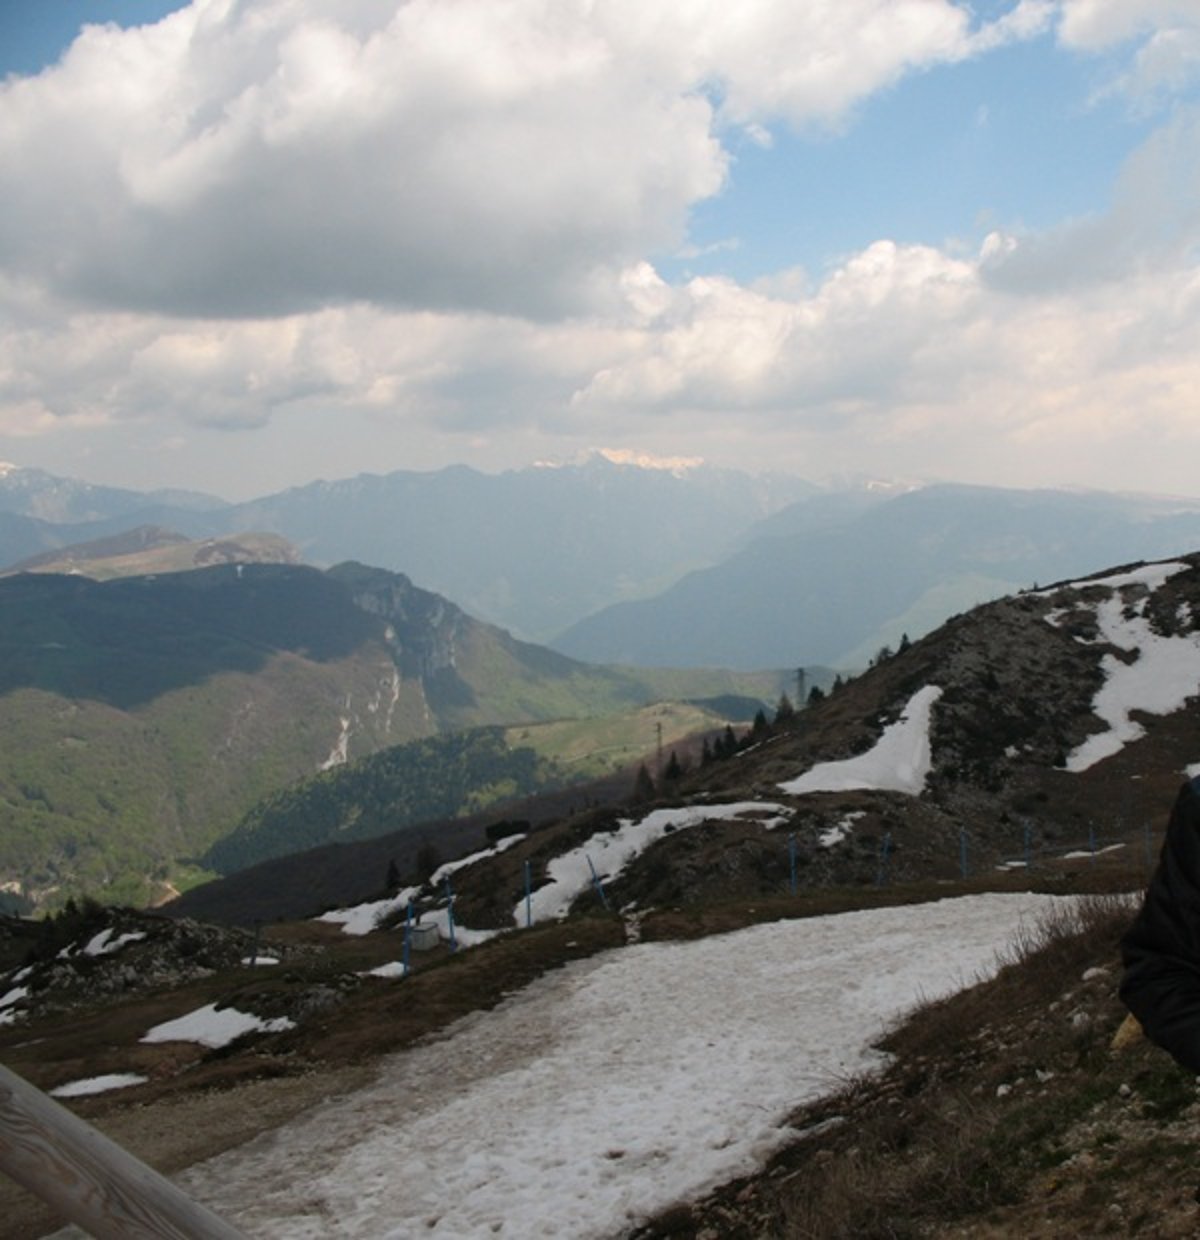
{"x": 250, "y": 243}
{"x": 607, "y": 1090}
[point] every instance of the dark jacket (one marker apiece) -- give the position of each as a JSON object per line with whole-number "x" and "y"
{"x": 1161, "y": 950}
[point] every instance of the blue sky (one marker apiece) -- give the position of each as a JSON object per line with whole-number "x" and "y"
{"x": 251, "y": 244}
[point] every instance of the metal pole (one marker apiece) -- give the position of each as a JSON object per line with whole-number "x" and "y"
{"x": 597, "y": 883}
{"x": 885, "y": 848}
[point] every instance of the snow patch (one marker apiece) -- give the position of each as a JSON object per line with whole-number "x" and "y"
{"x": 609, "y": 852}
{"x": 98, "y": 1085}
{"x": 103, "y": 944}
{"x": 899, "y": 762}
{"x": 1162, "y": 676}
{"x": 834, "y": 835}
{"x": 214, "y": 1027}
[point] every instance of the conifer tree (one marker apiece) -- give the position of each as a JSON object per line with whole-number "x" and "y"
{"x": 643, "y": 786}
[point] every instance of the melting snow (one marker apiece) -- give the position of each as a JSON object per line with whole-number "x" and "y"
{"x": 212, "y": 1026}
{"x": 840, "y": 831}
{"x": 103, "y": 944}
{"x": 611, "y": 1088}
{"x": 98, "y": 1084}
{"x": 363, "y": 918}
{"x": 899, "y": 762}
{"x": 609, "y": 852}
{"x": 1162, "y": 676}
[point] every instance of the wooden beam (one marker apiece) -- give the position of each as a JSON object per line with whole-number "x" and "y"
{"x": 89, "y": 1179}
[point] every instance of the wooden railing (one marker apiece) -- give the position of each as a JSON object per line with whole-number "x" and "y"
{"x": 89, "y": 1179}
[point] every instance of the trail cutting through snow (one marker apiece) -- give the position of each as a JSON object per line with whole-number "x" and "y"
{"x": 610, "y": 1089}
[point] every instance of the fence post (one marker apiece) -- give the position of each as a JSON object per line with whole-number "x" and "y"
{"x": 90, "y": 1179}
{"x": 597, "y": 883}
{"x": 885, "y": 849}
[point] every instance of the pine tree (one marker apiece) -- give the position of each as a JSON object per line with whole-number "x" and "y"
{"x": 643, "y": 786}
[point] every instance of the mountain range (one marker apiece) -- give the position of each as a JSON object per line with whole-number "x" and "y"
{"x": 610, "y": 562}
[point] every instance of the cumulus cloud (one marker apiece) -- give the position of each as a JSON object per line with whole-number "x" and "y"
{"x": 1167, "y": 59}
{"x": 512, "y": 156}
{"x": 443, "y": 217}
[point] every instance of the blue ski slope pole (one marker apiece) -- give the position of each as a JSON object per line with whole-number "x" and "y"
{"x": 885, "y": 849}
{"x": 597, "y": 883}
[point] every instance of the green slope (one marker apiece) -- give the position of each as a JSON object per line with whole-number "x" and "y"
{"x": 144, "y": 717}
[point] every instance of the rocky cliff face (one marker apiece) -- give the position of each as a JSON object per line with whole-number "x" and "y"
{"x": 423, "y": 629}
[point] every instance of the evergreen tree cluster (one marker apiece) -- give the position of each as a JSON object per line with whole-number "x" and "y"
{"x": 436, "y": 778}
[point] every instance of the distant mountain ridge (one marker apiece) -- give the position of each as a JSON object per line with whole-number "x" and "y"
{"x": 611, "y": 562}
{"x": 835, "y": 592}
{"x": 152, "y": 549}
{"x": 532, "y": 549}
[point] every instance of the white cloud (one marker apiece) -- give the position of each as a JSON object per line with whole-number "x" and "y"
{"x": 501, "y": 155}
{"x": 1167, "y": 59}
{"x": 439, "y": 219}
{"x": 1092, "y": 25}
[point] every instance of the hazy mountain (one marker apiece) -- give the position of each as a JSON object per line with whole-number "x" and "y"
{"x": 152, "y": 549}
{"x": 68, "y": 501}
{"x": 143, "y": 716}
{"x": 833, "y": 592}
{"x": 531, "y": 549}
{"x": 616, "y": 562}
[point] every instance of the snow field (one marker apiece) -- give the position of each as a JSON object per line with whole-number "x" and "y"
{"x": 612, "y": 1088}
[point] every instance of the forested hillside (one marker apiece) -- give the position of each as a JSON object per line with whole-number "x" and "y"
{"x": 144, "y": 716}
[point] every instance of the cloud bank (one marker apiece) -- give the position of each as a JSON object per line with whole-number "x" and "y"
{"x": 449, "y": 219}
